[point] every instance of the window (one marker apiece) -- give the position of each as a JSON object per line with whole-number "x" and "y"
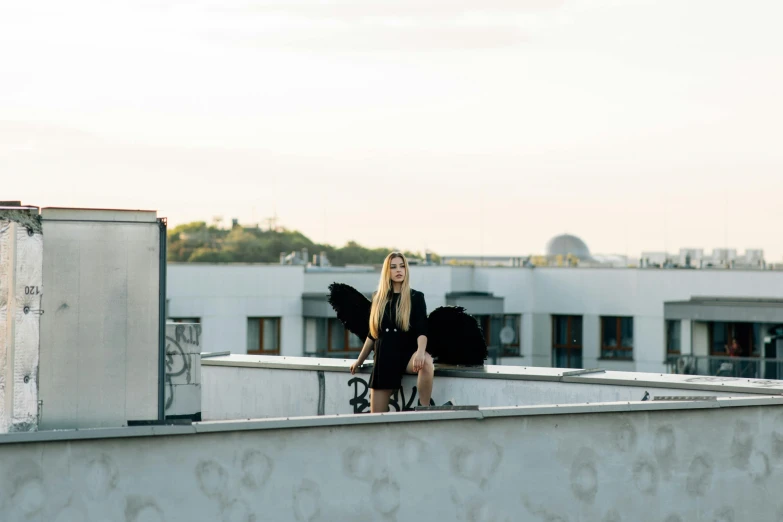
{"x": 719, "y": 337}
{"x": 196, "y": 320}
{"x": 567, "y": 341}
{"x": 673, "y": 329}
{"x": 747, "y": 335}
{"x": 263, "y": 335}
{"x": 341, "y": 340}
{"x": 617, "y": 338}
{"x": 493, "y": 325}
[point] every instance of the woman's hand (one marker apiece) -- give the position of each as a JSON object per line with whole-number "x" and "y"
{"x": 355, "y": 366}
{"x": 418, "y": 360}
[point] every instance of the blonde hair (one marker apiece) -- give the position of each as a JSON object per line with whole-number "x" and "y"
{"x": 382, "y": 296}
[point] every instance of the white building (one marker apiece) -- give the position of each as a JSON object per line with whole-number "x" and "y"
{"x": 619, "y": 319}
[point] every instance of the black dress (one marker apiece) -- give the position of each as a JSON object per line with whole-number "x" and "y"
{"x": 394, "y": 348}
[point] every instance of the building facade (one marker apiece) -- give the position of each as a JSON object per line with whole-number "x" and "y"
{"x": 619, "y": 319}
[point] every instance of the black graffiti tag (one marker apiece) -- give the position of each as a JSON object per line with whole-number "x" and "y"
{"x": 358, "y": 402}
{"x": 177, "y": 363}
{"x": 397, "y": 401}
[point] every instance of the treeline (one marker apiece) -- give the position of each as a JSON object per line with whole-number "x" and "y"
{"x": 198, "y": 242}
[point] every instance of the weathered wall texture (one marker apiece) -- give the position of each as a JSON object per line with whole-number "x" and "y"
{"x": 714, "y": 465}
{"x": 21, "y": 292}
{"x": 183, "y": 371}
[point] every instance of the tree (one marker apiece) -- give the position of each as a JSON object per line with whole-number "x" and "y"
{"x": 198, "y": 242}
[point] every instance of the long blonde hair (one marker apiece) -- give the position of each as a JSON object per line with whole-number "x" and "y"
{"x": 382, "y": 297}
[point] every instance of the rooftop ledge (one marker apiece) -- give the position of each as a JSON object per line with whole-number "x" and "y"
{"x": 525, "y": 373}
{"x": 388, "y": 418}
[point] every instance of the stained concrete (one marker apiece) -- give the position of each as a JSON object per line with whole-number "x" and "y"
{"x": 707, "y": 464}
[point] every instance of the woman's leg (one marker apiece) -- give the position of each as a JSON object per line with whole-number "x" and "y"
{"x": 379, "y": 400}
{"x": 424, "y": 381}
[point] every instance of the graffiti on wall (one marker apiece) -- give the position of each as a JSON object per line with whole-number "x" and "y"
{"x": 179, "y": 348}
{"x": 398, "y": 401}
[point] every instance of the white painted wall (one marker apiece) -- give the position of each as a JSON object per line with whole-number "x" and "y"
{"x": 541, "y": 343}
{"x": 701, "y": 340}
{"x": 591, "y": 343}
{"x": 318, "y": 282}
{"x": 686, "y": 337}
{"x": 225, "y": 296}
{"x": 462, "y": 278}
{"x": 310, "y": 335}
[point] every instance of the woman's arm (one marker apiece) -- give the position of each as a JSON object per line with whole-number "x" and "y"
{"x": 368, "y": 344}
{"x": 419, "y": 323}
{"x": 418, "y": 360}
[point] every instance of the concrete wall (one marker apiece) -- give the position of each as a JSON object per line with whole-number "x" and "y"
{"x": 252, "y": 387}
{"x": 21, "y": 292}
{"x": 646, "y": 464}
{"x": 100, "y": 332}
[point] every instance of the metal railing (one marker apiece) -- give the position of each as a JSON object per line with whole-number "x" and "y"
{"x": 724, "y": 366}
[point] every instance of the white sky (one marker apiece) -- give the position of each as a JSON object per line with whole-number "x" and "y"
{"x": 464, "y": 127}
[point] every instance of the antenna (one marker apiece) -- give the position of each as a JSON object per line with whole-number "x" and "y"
{"x": 271, "y": 222}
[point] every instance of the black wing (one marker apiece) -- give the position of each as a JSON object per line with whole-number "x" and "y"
{"x": 454, "y": 337}
{"x": 352, "y": 307}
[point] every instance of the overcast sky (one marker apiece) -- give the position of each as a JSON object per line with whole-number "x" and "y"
{"x": 463, "y": 127}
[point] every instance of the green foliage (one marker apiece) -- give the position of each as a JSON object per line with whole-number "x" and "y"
{"x": 198, "y": 242}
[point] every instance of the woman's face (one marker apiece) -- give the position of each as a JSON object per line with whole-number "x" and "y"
{"x": 397, "y": 268}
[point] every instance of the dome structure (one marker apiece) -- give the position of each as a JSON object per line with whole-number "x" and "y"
{"x": 566, "y": 244}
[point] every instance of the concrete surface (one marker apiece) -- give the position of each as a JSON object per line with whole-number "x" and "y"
{"x": 646, "y": 463}
{"x": 250, "y": 386}
{"x": 21, "y": 293}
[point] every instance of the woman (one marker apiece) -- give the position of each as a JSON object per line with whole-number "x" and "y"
{"x": 398, "y": 331}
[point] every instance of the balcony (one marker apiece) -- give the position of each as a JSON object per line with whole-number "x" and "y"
{"x": 720, "y": 366}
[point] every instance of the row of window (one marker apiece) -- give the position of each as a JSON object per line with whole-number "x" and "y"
{"x": 263, "y": 336}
